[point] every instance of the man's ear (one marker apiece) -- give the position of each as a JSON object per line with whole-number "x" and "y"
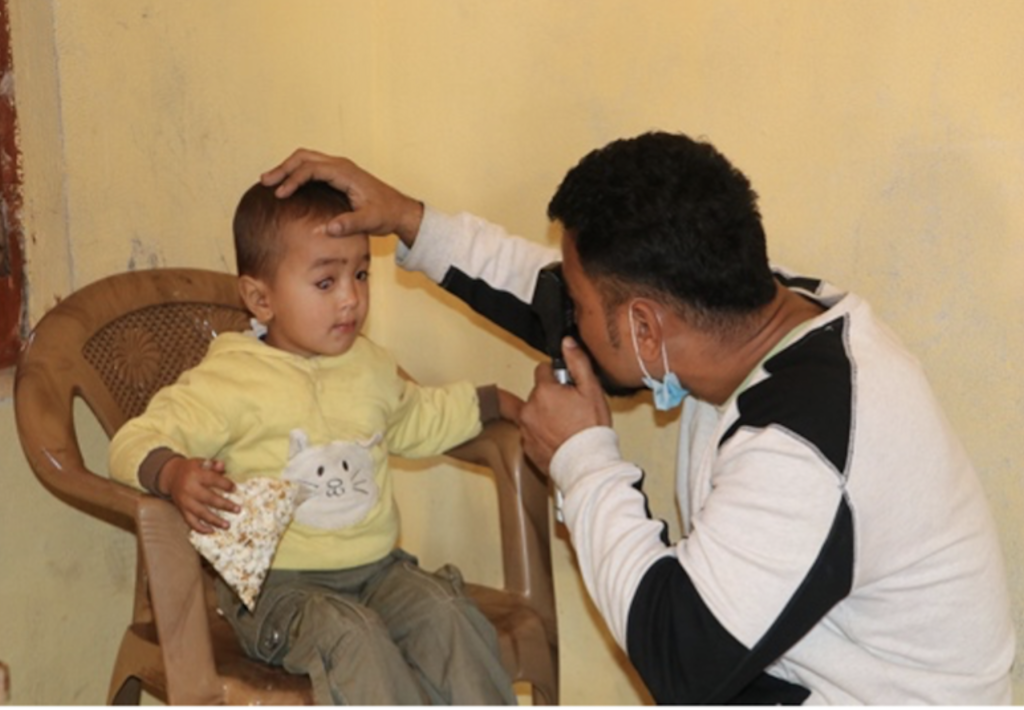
{"x": 256, "y": 296}
{"x": 648, "y": 329}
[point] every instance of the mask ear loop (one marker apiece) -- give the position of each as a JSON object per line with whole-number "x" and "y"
{"x": 636, "y": 348}
{"x": 668, "y": 393}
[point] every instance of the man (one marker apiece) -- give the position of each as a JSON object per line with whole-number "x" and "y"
{"x": 839, "y": 547}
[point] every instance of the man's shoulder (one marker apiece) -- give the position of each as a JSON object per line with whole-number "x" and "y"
{"x": 806, "y": 388}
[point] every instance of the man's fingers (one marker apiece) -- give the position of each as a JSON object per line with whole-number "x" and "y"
{"x": 289, "y": 166}
{"x": 363, "y": 221}
{"x": 543, "y": 374}
{"x": 303, "y": 173}
{"x": 579, "y": 365}
{"x": 306, "y": 165}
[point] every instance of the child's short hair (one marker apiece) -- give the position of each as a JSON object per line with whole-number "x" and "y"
{"x": 260, "y": 214}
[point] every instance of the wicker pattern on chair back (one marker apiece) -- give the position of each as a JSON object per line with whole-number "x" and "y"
{"x": 142, "y": 351}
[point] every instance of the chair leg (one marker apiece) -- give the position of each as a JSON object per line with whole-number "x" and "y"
{"x": 542, "y": 695}
{"x": 133, "y": 657}
{"x": 129, "y": 693}
{"x": 543, "y": 681}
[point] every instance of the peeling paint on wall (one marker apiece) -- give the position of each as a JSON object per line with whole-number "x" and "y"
{"x": 12, "y": 296}
{"x": 144, "y": 256}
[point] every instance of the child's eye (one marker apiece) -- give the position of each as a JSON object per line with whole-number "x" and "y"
{"x": 324, "y": 284}
{"x": 362, "y": 275}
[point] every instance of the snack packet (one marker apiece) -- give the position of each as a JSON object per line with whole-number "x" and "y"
{"x": 242, "y": 553}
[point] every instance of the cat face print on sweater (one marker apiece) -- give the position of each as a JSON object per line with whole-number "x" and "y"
{"x": 338, "y": 485}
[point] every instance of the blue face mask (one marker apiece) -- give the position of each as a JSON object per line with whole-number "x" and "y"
{"x": 668, "y": 393}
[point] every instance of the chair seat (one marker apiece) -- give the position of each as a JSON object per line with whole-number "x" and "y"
{"x": 246, "y": 680}
{"x": 522, "y": 639}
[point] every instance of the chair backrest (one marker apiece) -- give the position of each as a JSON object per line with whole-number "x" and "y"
{"x": 113, "y": 343}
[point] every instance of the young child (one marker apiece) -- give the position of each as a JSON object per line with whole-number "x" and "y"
{"x": 341, "y": 603}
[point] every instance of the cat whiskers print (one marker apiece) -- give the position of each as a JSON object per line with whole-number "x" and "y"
{"x": 338, "y": 485}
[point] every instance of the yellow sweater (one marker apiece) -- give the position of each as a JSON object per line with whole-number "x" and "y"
{"x": 243, "y": 401}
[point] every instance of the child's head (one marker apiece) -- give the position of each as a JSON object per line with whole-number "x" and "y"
{"x": 260, "y": 214}
{"x": 308, "y": 288}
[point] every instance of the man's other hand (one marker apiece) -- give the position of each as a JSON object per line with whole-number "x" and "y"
{"x": 554, "y": 412}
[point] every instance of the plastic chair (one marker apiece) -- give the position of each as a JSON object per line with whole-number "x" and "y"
{"x": 114, "y": 344}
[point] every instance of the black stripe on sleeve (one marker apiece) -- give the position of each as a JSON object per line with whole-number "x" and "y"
{"x": 639, "y": 487}
{"x": 500, "y": 307}
{"x": 686, "y": 657}
{"x": 827, "y": 583}
{"x": 683, "y": 653}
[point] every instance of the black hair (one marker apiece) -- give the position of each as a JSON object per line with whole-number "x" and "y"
{"x": 668, "y": 217}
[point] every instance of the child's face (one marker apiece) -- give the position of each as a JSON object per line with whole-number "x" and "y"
{"x": 320, "y": 295}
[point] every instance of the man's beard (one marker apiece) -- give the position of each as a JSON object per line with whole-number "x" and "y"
{"x": 610, "y": 386}
{"x": 613, "y": 389}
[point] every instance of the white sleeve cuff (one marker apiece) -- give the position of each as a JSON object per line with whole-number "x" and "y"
{"x": 431, "y": 252}
{"x": 582, "y": 453}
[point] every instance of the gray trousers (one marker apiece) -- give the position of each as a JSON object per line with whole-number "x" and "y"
{"x": 387, "y": 633}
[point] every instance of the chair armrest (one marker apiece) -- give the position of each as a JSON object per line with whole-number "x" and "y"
{"x": 523, "y": 511}
{"x": 170, "y": 569}
{"x": 177, "y": 592}
{"x": 44, "y": 416}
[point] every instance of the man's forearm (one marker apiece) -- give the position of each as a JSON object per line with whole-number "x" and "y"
{"x": 615, "y": 539}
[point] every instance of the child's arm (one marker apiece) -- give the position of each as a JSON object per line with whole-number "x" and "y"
{"x": 509, "y": 405}
{"x": 194, "y": 485}
{"x": 431, "y": 420}
{"x": 187, "y": 418}
{"x": 496, "y": 403}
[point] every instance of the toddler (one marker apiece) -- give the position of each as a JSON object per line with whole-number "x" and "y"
{"x": 342, "y": 603}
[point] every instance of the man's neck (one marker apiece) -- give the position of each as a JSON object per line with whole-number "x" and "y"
{"x": 716, "y": 367}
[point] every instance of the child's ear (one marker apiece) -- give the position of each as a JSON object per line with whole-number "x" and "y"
{"x": 256, "y": 296}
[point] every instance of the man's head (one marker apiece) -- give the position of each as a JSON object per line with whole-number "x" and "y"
{"x": 661, "y": 219}
{"x": 667, "y": 217}
{"x": 310, "y": 289}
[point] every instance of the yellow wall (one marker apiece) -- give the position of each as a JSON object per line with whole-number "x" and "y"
{"x": 884, "y": 137}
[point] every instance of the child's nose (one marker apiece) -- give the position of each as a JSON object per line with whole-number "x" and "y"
{"x": 348, "y": 296}
{"x": 345, "y": 293}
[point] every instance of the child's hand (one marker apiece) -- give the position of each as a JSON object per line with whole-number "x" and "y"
{"x": 509, "y": 405}
{"x": 194, "y": 485}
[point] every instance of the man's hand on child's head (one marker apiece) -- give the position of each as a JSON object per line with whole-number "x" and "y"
{"x": 194, "y": 485}
{"x": 377, "y": 208}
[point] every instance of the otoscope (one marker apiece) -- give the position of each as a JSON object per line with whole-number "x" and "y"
{"x": 553, "y": 306}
